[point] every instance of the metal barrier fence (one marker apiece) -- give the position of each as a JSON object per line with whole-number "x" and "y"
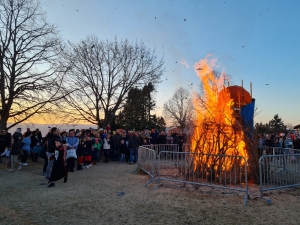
{"x": 147, "y": 155}
{"x": 277, "y": 151}
{"x": 279, "y": 171}
{"x": 218, "y": 171}
{"x": 147, "y": 162}
{"x": 163, "y": 147}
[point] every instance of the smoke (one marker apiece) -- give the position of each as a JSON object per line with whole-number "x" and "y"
{"x": 184, "y": 63}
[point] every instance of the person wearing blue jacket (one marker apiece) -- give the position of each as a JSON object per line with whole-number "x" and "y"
{"x": 25, "y": 149}
{"x": 72, "y": 143}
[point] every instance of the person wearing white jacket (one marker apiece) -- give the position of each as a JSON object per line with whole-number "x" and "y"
{"x": 106, "y": 147}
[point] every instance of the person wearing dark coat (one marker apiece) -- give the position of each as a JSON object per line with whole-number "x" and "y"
{"x": 117, "y": 142}
{"x": 15, "y": 152}
{"x": 88, "y": 142}
{"x": 153, "y": 137}
{"x": 8, "y": 138}
{"x": 80, "y": 151}
{"x": 162, "y": 139}
{"x": 58, "y": 169}
{"x": 52, "y": 137}
{"x": 133, "y": 145}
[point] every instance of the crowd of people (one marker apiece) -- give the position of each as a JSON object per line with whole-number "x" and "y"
{"x": 64, "y": 151}
{"x": 280, "y": 140}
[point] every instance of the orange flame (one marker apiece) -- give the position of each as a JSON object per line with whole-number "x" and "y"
{"x": 217, "y": 129}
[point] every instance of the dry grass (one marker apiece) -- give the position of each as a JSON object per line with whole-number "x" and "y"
{"x": 90, "y": 197}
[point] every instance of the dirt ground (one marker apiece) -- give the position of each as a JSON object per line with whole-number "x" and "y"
{"x": 91, "y": 197}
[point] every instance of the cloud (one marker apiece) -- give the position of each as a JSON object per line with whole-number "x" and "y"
{"x": 184, "y": 63}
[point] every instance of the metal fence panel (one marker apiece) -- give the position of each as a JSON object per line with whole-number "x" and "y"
{"x": 146, "y": 162}
{"x": 218, "y": 171}
{"x": 279, "y": 171}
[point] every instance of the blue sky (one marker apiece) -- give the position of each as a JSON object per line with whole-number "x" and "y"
{"x": 254, "y": 41}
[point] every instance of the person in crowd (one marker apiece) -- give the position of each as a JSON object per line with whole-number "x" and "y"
{"x": 133, "y": 144}
{"x": 116, "y": 144}
{"x": 111, "y": 151}
{"x": 108, "y": 128}
{"x": 34, "y": 140}
{"x": 6, "y": 153}
{"x": 36, "y": 151}
{"x": 145, "y": 141}
{"x": 43, "y": 155}
{"x": 8, "y": 138}
{"x": 63, "y": 136}
{"x": 58, "y": 169}
{"x": 72, "y": 143}
{"x": 51, "y": 138}
{"x": 88, "y": 151}
{"x": 276, "y": 143}
{"x": 97, "y": 148}
{"x": 261, "y": 144}
{"x": 106, "y": 147}
{"x": 15, "y": 152}
{"x": 288, "y": 143}
{"x": 80, "y": 154}
{"x": 296, "y": 143}
{"x": 25, "y": 149}
{"x": 269, "y": 142}
{"x": 2, "y": 142}
{"x": 153, "y": 137}
{"x": 122, "y": 150}
{"x": 281, "y": 141}
{"x": 38, "y": 136}
{"x": 18, "y": 133}
{"x": 27, "y": 131}
{"x": 162, "y": 139}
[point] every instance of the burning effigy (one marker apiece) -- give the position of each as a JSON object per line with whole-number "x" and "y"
{"x": 224, "y": 118}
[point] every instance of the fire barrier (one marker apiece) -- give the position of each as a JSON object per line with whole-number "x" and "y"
{"x": 279, "y": 171}
{"x": 212, "y": 170}
{"x": 147, "y": 158}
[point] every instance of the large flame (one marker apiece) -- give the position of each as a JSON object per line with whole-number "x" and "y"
{"x": 217, "y": 129}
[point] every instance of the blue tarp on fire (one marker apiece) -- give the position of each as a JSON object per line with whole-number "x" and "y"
{"x": 247, "y": 113}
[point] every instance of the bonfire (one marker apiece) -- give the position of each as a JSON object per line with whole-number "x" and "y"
{"x": 218, "y": 129}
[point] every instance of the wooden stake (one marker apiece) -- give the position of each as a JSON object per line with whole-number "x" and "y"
{"x": 239, "y": 102}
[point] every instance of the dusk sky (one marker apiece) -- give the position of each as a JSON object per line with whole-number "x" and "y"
{"x": 254, "y": 41}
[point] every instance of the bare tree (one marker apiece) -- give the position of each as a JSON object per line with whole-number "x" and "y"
{"x": 28, "y": 52}
{"x": 103, "y": 72}
{"x": 179, "y": 109}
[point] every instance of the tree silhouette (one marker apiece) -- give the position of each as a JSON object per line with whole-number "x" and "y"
{"x": 103, "y": 73}
{"x": 179, "y": 109}
{"x": 29, "y": 76}
{"x": 277, "y": 124}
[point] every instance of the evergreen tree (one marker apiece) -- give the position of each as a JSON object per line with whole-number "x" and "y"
{"x": 277, "y": 124}
{"x": 137, "y": 110}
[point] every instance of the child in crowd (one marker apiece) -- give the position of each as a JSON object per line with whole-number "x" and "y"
{"x": 122, "y": 151}
{"x": 36, "y": 150}
{"x": 71, "y": 157}
{"x": 58, "y": 169}
{"x": 97, "y": 147}
{"x": 88, "y": 151}
{"x": 72, "y": 143}
{"x": 7, "y": 155}
{"x": 15, "y": 152}
{"x": 106, "y": 147}
{"x": 80, "y": 154}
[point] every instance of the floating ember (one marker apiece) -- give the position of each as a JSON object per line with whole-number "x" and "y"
{"x": 218, "y": 127}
